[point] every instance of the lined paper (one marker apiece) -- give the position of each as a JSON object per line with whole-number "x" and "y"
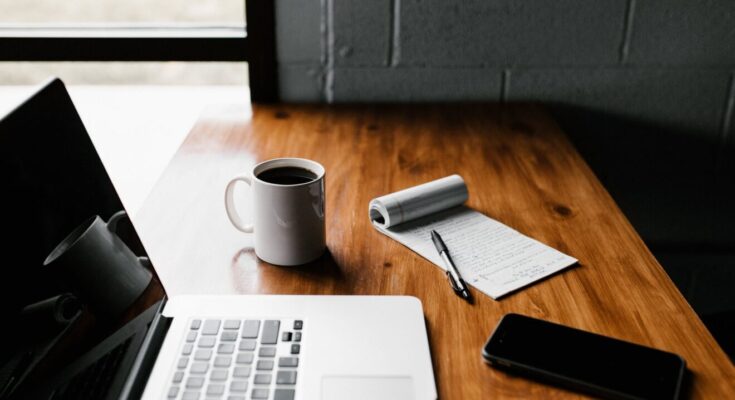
{"x": 491, "y": 256}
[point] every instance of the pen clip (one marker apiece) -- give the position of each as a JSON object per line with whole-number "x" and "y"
{"x": 453, "y": 283}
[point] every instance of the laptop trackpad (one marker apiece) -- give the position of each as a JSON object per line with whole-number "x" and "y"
{"x": 367, "y": 388}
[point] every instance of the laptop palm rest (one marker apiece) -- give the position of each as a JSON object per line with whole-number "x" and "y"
{"x": 367, "y": 388}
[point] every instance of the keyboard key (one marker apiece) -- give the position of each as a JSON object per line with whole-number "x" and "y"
{"x": 190, "y": 396}
{"x": 211, "y": 327}
{"x": 218, "y": 375}
{"x": 203, "y": 355}
{"x": 270, "y": 332}
{"x": 241, "y": 372}
{"x": 250, "y": 329}
{"x": 212, "y": 344}
{"x": 226, "y": 348}
{"x": 173, "y": 391}
{"x": 232, "y": 324}
{"x": 238, "y": 386}
{"x": 244, "y": 358}
{"x": 199, "y": 368}
{"x": 286, "y": 377}
{"x": 262, "y": 379}
{"x": 207, "y": 341}
{"x": 215, "y": 389}
{"x": 267, "y": 352}
{"x": 222, "y": 361}
{"x": 284, "y": 394}
{"x": 228, "y": 336}
{"x": 194, "y": 382}
{"x": 264, "y": 365}
{"x": 231, "y": 397}
{"x": 247, "y": 345}
{"x": 288, "y": 362}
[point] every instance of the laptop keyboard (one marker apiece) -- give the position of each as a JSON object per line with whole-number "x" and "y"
{"x": 238, "y": 359}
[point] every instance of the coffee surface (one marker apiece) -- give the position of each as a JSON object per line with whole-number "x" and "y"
{"x": 287, "y": 176}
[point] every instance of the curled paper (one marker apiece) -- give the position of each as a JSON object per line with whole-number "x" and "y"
{"x": 418, "y": 201}
{"x": 45, "y": 319}
{"x": 490, "y": 256}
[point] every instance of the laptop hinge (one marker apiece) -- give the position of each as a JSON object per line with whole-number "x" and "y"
{"x": 146, "y": 357}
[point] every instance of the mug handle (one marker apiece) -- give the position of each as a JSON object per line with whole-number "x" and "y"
{"x": 230, "y": 204}
{"x": 112, "y": 227}
{"x": 114, "y": 220}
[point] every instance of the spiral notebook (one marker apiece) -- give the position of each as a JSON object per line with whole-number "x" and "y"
{"x": 491, "y": 256}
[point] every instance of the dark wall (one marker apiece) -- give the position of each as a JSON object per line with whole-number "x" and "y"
{"x": 645, "y": 88}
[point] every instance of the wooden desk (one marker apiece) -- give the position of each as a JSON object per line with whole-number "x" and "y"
{"x": 520, "y": 169}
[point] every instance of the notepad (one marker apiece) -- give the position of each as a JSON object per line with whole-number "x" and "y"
{"x": 491, "y": 256}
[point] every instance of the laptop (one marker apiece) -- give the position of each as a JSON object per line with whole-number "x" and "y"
{"x": 270, "y": 347}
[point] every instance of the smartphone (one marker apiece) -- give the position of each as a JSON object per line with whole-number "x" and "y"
{"x": 584, "y": 361}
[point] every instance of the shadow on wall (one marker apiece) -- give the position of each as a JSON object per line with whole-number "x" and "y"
{"x": 677, "y": 187}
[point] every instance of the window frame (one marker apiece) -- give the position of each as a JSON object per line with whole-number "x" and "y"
{"x": 254, "y": 44}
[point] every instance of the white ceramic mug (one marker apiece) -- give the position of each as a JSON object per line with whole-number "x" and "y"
{"x": 288, "y": 218}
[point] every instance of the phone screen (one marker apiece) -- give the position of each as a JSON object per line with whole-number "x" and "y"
{"x": 584, "y": 360}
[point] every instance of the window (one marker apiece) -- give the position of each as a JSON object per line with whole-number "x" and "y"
{"x": 183, "y": 37}
{"x": 122, "y": 73}
{"x": 126, "y": 13}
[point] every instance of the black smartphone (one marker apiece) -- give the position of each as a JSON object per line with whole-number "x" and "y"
{"x": 584, "y": 361}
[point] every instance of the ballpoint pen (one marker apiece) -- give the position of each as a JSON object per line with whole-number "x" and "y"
{"x": 460, "y": 288}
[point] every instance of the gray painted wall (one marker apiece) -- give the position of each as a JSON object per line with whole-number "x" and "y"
{"x": 646, "y": 88}
{"x": 427, "y": 50}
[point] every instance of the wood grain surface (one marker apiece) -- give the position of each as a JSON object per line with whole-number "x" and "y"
{"x": 520, "y": 169}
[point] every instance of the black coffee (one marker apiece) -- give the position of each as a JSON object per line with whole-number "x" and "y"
{"x": 287, "y": 176}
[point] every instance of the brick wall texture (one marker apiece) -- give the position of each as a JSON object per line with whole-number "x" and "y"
{"x": 658, "y": 61}
{"x": 654, "y": 78}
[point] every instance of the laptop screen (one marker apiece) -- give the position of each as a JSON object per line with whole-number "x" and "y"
{"x": 53, "y": 183}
